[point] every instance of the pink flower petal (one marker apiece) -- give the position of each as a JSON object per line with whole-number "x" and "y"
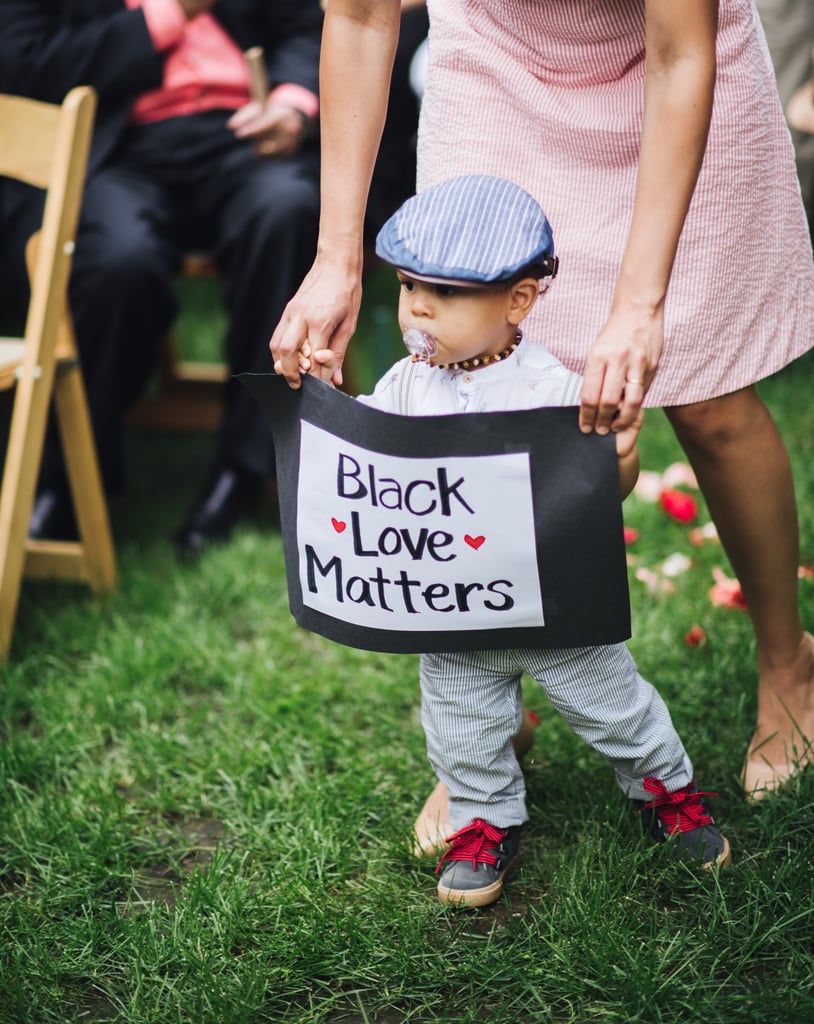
{"x": 648, "y": 486}
{"x": 678, "y": 475}
{"x": 649, "y": 578}
{"x": 655, "y": 582}
{"x": 726, "y": 592}
{"x": 631, "y": 535}
{"x": 707, "y": 532}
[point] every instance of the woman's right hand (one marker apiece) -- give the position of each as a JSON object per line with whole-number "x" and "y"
{"x": 321, "y": 315}
{"x": 358, "y": 45}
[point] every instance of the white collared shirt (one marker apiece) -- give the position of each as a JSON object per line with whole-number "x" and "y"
{"x": 531, "y": 377}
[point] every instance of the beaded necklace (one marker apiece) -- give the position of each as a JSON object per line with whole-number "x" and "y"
{"x": 478, "y": 361}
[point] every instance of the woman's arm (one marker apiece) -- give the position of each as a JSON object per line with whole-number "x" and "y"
{"x": 679, "y": 84}
{"x": 358, "y": 45}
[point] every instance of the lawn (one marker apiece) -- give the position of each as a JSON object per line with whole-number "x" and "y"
{"x": 205, "y": 812}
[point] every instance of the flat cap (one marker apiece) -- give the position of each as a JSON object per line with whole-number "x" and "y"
{"x": 475, "y": 228}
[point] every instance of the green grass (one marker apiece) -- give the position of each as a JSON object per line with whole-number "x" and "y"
{"x": 205, "y": 812}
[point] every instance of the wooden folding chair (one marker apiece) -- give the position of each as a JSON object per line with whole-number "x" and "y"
{"x": 46, "y": 145}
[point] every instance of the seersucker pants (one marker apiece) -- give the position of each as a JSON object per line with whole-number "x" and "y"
{"x": 471, "y": 706}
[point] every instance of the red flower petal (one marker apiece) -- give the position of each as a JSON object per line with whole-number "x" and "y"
{"x": 695, "y": 637}
{"x": 678, "y": 505}
{"x": 631, "y": 535}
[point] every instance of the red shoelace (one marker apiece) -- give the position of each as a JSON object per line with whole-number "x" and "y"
{"x": 473, "y": 842}
{"x": 681, "y": 811}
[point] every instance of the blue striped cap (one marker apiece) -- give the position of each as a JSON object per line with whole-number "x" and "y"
{"x": 474, "y": 228}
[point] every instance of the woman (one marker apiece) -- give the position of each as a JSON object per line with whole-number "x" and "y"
{"x": 677, "y": 171}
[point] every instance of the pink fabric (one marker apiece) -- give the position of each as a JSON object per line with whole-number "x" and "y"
{"x": 165, "y": 19}
{"x": 550, "y": 93}
{"x": 203, "y": 68}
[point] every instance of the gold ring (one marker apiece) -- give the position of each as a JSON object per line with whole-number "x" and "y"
{"x": 631, "y": 380}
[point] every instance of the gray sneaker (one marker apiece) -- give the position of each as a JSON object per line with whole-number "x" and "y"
{"x": 682, "y": 821}
{"x": 474, "y": 866}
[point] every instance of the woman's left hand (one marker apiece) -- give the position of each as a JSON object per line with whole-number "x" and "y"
{"x": 619, "y": 369}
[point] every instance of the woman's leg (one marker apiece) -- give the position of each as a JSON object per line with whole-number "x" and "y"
{"x": 744, "y": 473}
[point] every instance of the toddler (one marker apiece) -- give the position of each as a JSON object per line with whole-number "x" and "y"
{"x": 472, "y": 256}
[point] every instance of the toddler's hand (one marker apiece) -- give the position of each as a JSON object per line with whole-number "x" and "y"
{"x": 324, "y": 363}
{"x": 626, "y": 439}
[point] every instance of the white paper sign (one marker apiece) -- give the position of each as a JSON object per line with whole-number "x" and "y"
{"x": 413, "y": 543}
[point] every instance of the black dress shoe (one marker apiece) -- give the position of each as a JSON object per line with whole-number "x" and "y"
{"x": 229, "y": 496}
{"x": 52, "y": 517}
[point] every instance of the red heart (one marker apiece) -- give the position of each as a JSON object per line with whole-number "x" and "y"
{"x": 338, "y": 525}
{"x": 474, "y": 542}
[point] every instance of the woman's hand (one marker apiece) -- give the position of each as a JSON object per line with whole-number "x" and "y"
{"x": 321, "y": 315}
{"x": 619, "y": 370}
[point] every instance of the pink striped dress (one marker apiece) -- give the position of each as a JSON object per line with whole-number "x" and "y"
{"x": 549, "y": 93}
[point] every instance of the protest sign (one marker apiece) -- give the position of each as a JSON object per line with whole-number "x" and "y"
{"x": 445, "y": 533}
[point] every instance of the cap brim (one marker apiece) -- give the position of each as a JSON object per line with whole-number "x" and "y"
{"x": 800, "y": 109}
{"x": 457, "y": 281}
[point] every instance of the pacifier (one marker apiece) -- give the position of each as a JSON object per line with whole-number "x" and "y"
{"x": 421, "y": 345}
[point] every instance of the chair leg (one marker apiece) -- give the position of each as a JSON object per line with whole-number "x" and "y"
{"x": 23, "y": 456}
{"x": 84, "y": 477}
{"x": 93, "y": 558}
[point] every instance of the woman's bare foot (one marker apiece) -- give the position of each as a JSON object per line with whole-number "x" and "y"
{"x": 783, "y": 742}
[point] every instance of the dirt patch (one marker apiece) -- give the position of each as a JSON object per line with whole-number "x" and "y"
{"x": 192, "y": 843}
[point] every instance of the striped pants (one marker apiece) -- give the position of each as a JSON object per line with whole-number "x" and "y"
{"x": 471, "y": 706}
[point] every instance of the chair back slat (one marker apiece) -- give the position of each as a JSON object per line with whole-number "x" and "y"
{"x": 24, "y": 124}
{"x": 49, "y": 273}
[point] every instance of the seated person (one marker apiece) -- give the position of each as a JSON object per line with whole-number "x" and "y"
{"x": 181, "y": 158}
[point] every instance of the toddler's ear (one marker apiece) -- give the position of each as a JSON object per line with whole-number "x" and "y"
{"x": 522, "y": 296}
